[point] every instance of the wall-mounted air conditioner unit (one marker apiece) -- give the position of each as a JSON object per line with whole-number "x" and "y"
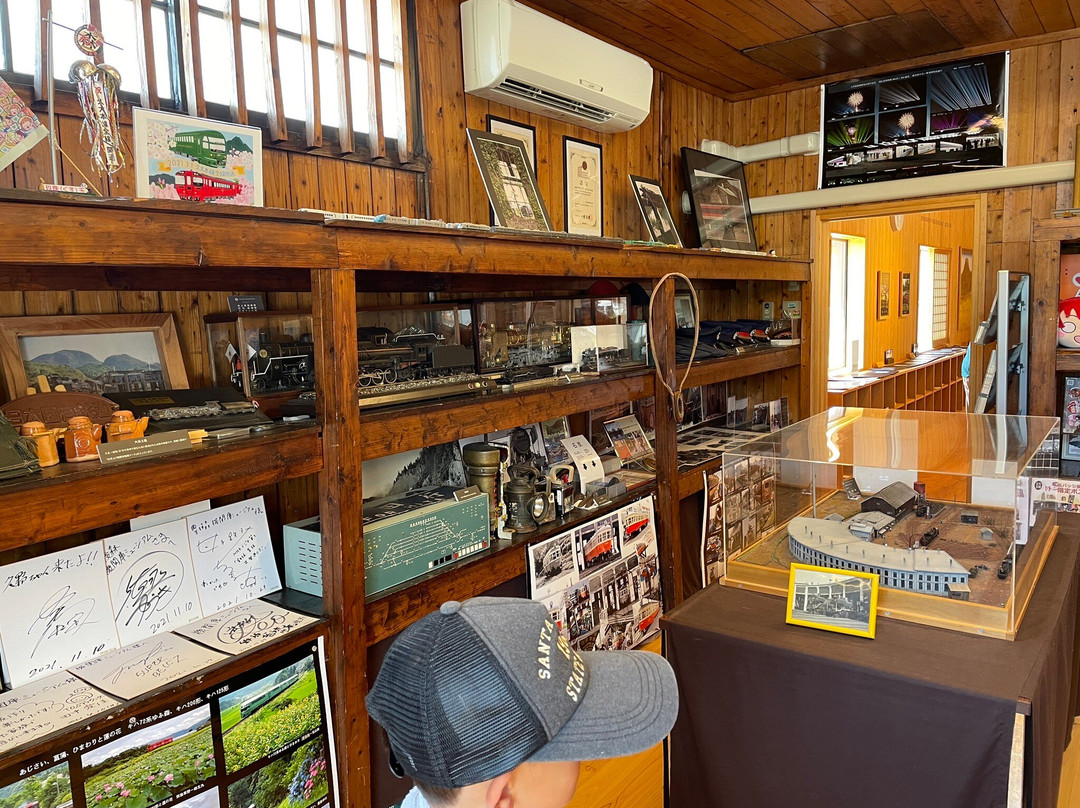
{"x": 522, "y": 58}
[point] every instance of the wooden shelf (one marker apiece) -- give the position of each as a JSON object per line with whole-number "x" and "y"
{"x": 691, "y": 482}
{"x": 1068, "y": 361}
{"x": 402, "y": 429}
{"x": 173, "y": 693}
{"x": 439, "y": 251}
{"x": 389, "y": 612}
{"x": 72, "y": 497}
{"x": 714, "y": 371}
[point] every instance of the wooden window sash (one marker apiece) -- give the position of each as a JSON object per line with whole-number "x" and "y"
{"x": 344, "y": 77}
{"x": 41, "y": 64}
{"x": 376, "y": 138}
{"x": 309, "y": 41}
{"x": 403, "y": 79}
{"x": 237, "y": 99}
{"x": 194, "y": 100}
{"x": 275, "y": 107}
{"x": 144, "y": 39}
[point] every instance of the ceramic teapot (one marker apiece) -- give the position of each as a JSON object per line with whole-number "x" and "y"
{"x": 45, "y": 440}
{"x": 81, "y": 439}
{"x": 124, "y": 426}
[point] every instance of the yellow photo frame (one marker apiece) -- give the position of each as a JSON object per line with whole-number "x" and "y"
{"x": 843, "y": 601}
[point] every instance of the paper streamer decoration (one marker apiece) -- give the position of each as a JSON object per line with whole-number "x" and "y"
{"x": 20, "y": 129}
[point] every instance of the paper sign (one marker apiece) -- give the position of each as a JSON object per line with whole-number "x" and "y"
{"x": 152, "y": 581}
{"x": 244, "y": 627}
{"x": 47, "y": 705}
{"x": 55, "y": 612}
{"x": 590, "y": 468}
{"x": 234, "y": 561}
{"x": 171, "y": 515}
{"x": 143, "y": 666}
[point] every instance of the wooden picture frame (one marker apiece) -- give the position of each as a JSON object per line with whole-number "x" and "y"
{"x": 509, "y": 181}
{"x": 125, "y": 341}
{"x": 884, "y": 292}
{"x": 905, "y": 294}
{"x": 583, "y": 187}
{"x": 842, "y": 601}
{"x": 719, "y": 201}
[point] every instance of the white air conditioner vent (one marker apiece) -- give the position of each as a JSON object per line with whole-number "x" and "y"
{"x": 519, "y": 89}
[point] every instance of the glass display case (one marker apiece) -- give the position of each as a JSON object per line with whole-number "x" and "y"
{"x": 416, "y": 352}
{"x": 601, "y": 348}
{"x": 938, "y": 505}
{"x": 262, "y": 353}
{"x": 517, "y": 334}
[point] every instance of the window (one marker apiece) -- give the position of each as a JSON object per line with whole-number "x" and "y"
{"x": 343, "y": 76}
{"x": 847, "y": 290}
{"x": 941, "y": 297}
{"x": 933, "y": 323}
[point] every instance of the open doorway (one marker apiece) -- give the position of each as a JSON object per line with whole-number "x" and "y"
{"x": 894, "y": 291}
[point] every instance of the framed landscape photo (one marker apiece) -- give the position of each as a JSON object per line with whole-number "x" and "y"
{"x": 94, "y": 353}
{"x": 718, "y": 199}
{"x": 654, "y": 211}
{"x": 844, "y": 601}
{"x": 509, "y": 181}
{"x": 583, "y": 194}
{"x": 196, "y": 159}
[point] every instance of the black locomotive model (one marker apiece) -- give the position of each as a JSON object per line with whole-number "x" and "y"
{"x": 929, "y": 536}
{"x": 280, "y": 366}
{"x": 410, "y": 354}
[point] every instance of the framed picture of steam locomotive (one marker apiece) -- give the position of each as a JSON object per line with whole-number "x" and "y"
{"x": 196, "y": 159}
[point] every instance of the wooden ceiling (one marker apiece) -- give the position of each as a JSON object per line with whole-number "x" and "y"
{"x": 739, "y": 48}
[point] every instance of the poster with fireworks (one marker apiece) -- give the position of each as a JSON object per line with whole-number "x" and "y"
{"x": 260, "y": 740}
{"x": 915, "y": 123}
{"x": 196, "y": 159}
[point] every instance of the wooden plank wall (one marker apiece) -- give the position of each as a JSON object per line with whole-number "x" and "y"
{"x": 1044, "y": 85}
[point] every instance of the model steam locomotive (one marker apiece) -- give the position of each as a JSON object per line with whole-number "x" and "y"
{"x": 409, "y": 355}
{"x": 278, "y": 366}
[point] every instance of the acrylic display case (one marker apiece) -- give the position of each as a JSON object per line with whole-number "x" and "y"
{"x": 939, "y": 505}
{"x": 416, "y": 352}
{"x": 515, "y": 334}
{"x": 262, "y": 353}
{"x": 603, "y": 348}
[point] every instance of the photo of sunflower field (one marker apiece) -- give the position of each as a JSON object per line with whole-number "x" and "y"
{"x": 152, "y": 764}
{"x": 297, "y": 780}
{"x": 50, "y": 788}
{"x": 269, "y": 714}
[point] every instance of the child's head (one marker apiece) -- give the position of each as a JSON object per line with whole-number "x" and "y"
{"x": 485, "y": 704}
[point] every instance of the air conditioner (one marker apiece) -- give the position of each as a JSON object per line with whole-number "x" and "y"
{"x": 522, "y": 58}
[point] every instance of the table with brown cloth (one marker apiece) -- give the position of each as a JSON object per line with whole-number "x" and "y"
{"x": 779, "y": 716}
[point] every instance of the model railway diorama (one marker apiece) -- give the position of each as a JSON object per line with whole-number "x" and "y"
{"x": 946, "y": 539}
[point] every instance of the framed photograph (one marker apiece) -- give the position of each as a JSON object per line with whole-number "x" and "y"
{"x": 905, "y": 294}
{"x": 196, "y": 159}
{"x": 517, "y": 131}
{"x": 509, "y": 181}
{"x": 844, "y": 601}
{"x": 718, "y": 198}
{"x": 883, "y": 281}
{"x": 963, "y": 290}
{"x": 94, "y": 353}
{"x": 583, "y": 187}
{"x": 654, "y": 211}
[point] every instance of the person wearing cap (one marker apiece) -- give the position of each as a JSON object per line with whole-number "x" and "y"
{"x": 486, "y": 705}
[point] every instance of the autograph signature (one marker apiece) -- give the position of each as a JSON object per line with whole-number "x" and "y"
{"x": 151, "y": 588}
{"x": 61, "y": 616}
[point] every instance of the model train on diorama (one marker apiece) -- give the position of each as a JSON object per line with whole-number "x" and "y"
{"x": 410, "y": 354}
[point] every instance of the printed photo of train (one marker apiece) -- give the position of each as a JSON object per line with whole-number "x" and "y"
{"x": 196, "y": 160}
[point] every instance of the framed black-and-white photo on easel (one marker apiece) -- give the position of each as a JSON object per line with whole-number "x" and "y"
{"x": 583, "y": 186}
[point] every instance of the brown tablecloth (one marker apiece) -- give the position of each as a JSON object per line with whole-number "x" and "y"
{"x": 778, "y": 716}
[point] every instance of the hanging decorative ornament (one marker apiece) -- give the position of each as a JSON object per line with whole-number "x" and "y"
{"x": 97, "y": 87}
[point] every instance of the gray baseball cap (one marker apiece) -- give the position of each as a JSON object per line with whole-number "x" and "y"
{"x": 473, "y": 690}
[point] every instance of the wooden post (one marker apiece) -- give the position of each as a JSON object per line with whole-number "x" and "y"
{"x": 341, "y": 511}
{"x": 662, "y": 341}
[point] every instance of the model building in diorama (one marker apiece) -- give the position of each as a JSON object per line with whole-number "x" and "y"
{"x": 945, "y": 531}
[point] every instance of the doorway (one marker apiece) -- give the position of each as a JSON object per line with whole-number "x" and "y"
{"x": 893, "y": 280}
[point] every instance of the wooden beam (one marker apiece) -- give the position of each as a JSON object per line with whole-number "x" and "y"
{"x": 275, "y": 109}
{"x": 376, "y": 137}
{"x": 149, "y": 96}
{"x": 194, "y": 101}
{"x": 237, "y": 99}
{"x": 309, "y": 41}
{"x": 93, "y": 8}
{"x": 344, "y": 76}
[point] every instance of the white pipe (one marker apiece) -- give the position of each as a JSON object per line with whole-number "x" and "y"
{"x": 784, "y": 147}
{"x": 985, "y": 179}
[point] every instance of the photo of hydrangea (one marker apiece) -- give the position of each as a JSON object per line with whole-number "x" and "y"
{"x": 297, "y": 780}
{"x": 150, "y": 765}
{"x": 49, "y": 788}
{"x": 271, "y": 713}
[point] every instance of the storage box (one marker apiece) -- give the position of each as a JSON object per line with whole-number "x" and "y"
{"x": 404, "y": 537}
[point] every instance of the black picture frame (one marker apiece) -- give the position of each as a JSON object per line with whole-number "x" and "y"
{"x": 659, "y": 223}
{"x": 508, "y": 126}
{"x": 719, "y": 201}
{"x": 489, "y": 149}
{"x": 567, "y": 183}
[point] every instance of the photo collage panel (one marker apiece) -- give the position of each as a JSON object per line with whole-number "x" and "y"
{"x": 748, "y": 509}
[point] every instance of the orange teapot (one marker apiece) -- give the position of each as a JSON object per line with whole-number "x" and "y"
{"x": 81, "y": 439}
{"x": 45, "y": 440}
{"x": 124, "y": 426}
